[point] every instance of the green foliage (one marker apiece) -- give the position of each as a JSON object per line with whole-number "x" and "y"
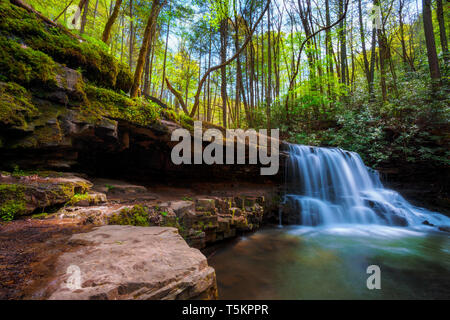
{"x": 407, "y": 129}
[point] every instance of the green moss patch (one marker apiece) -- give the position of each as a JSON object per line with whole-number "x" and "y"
{"x": 96, "y": 64}
{"x": 22, "y": 64}
{"x": 16, "y": 108}
{"x": 136, "y": 216}
{"x": 105, "y": 102}
{"x": 12, "y": 203}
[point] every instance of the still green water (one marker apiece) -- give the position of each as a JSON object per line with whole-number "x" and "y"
{"x": 331, "y": 263}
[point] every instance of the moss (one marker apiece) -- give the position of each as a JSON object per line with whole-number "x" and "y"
{"x": 12, "y": 202}
{"x": 16, "y": 108}
{"x": 65, "y": 191}
{"x": 95, "y": 63}
{"x": 108, "y": 99}
{"x": 105, "y": 102}
{"x": 10, "y": 209}
{"x": 186, "y": 122}
{"x": 39, "y": 215}
{"x": 6, "y": 190}
{"x": 77, "y": 198}
{"x": 124, "y": 78}
{"x": 25, "y": 65}
{"x": 48, "y": 135}
{"x": 135, "y": 216}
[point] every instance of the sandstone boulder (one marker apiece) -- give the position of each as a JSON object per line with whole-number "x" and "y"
{"x": 126, "y": 262}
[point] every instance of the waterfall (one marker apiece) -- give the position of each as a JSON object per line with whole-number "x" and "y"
{"x": 331, "y": 186}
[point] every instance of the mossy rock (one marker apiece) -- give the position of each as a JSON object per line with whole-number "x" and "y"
{"x": 43, "y": 131}
{"x": 30, "y": 194}
{"x": 63, "y": 47}
{"x": 16, "y": 108}
{"x": 107, "y": 103}
{"x": 135, "y": 216}
{"x": 22, "y": 64}
{"x": 87, "y": 199}
{"x": 12, "y": 201}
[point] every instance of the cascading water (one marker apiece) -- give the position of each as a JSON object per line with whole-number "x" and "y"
{"x": 331, "y": 186}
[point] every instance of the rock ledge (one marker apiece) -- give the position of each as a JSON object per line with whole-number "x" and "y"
{"x": 127, "y": 262}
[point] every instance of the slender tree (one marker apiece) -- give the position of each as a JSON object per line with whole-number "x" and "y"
{"x": 442, "y": 31}
{"x": 433, "y": 62}
{"x": 148, "y": 34}
{"x": 110, "y": 22}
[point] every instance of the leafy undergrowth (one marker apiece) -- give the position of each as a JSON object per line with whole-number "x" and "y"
{"x": 408, "y": 130}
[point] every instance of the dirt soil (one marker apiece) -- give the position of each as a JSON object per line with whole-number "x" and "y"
{"x": 28, "y": 251}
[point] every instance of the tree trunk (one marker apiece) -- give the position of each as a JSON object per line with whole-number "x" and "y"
{"x": 94, "y": 16}
{"x": 148, "y": 35}
{"x": 269, "y": 70}
{"x": 238, "y": 74}
{"x": 431, "y": 46}
{"x": 442, "y": 31}
{"x": 363, "y": 44}
{"x": 131, "y": 36}
{"x": 223, "y": 69}
{"x": 147, "y": 73}
{"x": 208, "y": 110}
{"x": 84, "y": 17}
{"x": 372, "y": 65}
{"x": 165, "y": 55}
{"x": 329, "y": 49}
{"x": 110, "y": 22}
{"x": 343, "y": 44}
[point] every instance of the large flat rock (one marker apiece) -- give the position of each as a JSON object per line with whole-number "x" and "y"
{"x": 127, "y": 262}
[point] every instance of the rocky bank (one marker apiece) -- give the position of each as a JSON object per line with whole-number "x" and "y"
{"x": 136, "y": 242}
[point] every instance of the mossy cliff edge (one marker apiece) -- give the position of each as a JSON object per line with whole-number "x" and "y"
{"x": 58, "y": 90}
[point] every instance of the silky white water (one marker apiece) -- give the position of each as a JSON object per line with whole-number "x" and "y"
{"x": 327, "y": 186}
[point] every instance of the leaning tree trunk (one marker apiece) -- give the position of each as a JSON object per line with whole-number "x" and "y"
{"x": 110, "y": 22}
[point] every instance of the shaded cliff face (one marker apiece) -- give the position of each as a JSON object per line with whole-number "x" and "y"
{"x": 62, "y": 107}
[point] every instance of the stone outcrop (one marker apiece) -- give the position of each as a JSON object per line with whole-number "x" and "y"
{"x": 22, "y": 195}
{"x": 201, "y": 222}
{"x": 127, "y": 262}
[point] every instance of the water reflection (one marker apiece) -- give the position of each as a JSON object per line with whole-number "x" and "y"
{"x": 331, "y": 263}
